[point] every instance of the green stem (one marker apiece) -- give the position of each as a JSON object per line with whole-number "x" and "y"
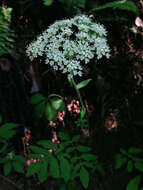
{"x": 83, "y": 114}
{"x": 78, "y": 93}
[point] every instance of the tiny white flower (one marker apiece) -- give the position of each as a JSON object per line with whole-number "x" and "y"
{"x": 70, "y": 43}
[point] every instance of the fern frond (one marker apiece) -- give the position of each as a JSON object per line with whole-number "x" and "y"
{"x": 6, "y": 34}
{"x": 126, "y": 5}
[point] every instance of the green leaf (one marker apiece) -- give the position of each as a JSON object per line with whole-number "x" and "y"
{"x": 88, "y": 164}
{"x": 20, "y": 159}
{"x": 47, "y": 144}
{"x": 123, "y": 151}
{"x": 134, "y": 183}
{"x": 80, "y": 3}
{"x": 82, "y": 113}
{"x": 66, "y": 155}
{"x": 77, "y": 167}
{"x": 139, "y": 166}
{"x": 33, "y": 168}
{"x": 65, "y": 168}
{"x": 83, "y": 148}
{"x": 43, "y": 172}
{"x": 88, "y": 157}
{"x": 4, "y": 146}
{"x": 37, "y": 98}
{"x": 120, "y": 161}
{"x": 57, "y": 104}
{"x": 39, "y": 150}
{"x": 83, "y": 84}
{"x": 7, "y": 130}
{"x": 64, "y": 136}
{"x": 75, "y": 159}
{"x": 48, "y": 2}
{"x": 18, "y": 166}
{"x": 50, "y": 112}
{"x": 75, "y": 138}
{"x": 84, "y": 177}
{"x": 70, "y": 149}
{"x": 126, "y": 5}
{"x": 130, "y": 166}
{"x": 7, "y": 168}
{"x": 36, "y": 156}
{"x": 134, "y": 150}
{"x": 40, "y": 109}
{"x": 54, "y": 168}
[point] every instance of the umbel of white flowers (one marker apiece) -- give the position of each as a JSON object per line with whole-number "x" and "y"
{"x": 69, "y": 44}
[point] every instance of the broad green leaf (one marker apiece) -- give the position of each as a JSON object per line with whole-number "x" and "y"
{"x": 54, "y": 168}
{"x": 40, "y": 109}
{"x": 76, "y": 138}
{"x": 130, "y": 166}
{"x": 43, "y": 172}
{"x": 20, "y": 158}
{"x": 120, "y": 161}
{"x": 139, "y": 166}
{"x": 134, "y": 183}
{"x": 50, "y": 112}
{"x": 83, "y": 148}
{"x": 84, "y": 177}
{"x": 18, "y": 166}
{"x": 83, "y": 84}
{"x": 134, "y": 150}
{"x": 37, "y": 98}
{"x": 47, "y": 144}
{"x": 33, "y": 168}
{"x": 65, "y": 169}
{"x": 57, "y": 104}
{"x": 48, "y": 2}
{"x": 64, "y": 136}
{"x": 7, "y": 167}
{"x": 39, "y": 150}
{"x": 88, "y": 157}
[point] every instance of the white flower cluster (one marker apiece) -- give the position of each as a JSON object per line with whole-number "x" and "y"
{"x": 70, "y": 43}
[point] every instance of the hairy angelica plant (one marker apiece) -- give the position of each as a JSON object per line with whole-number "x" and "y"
{"x": 68, "y": 45}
